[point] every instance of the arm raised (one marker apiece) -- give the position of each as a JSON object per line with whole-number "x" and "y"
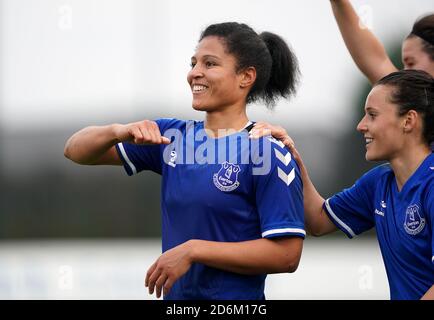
{"x": 95, "y": 145}
{"x": 366, "y": 50}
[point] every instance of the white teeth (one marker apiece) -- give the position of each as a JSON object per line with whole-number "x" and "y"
{"x": 198, "y": 88}
{"x": 368, "y": 140}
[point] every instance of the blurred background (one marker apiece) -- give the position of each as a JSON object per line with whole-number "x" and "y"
{"x": 77, "y": 232}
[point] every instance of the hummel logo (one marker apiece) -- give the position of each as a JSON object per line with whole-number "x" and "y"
{"x": 383, "y": 204}
{"x": 380, "y": 213}
{"x": 287, "y": 178}
{"x": 173, "y": 156}
{"x": 285, "y": 159}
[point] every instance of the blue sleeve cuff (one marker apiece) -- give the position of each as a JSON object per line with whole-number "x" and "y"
{"x": 338, "y": 222}
{"x": 129, "y": 167}
{"x": 299, "y": 232}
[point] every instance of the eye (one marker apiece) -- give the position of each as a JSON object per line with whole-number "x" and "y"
{"x": 371, "y": 115}
{"x": 192, "y": 64}
{"x": 210, "y": 64}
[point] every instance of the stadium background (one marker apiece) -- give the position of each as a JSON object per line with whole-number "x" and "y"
{"x": 68, "y": 231}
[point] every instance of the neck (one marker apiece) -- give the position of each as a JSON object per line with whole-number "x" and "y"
{"x": 232, "y": 118}
{"x": 406, "y": 164}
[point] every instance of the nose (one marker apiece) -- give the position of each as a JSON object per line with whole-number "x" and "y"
{"x": 362, "y": 127}
{"x": 195, "y": 73}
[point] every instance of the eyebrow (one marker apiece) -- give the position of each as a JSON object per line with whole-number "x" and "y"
{"x": 370, "y": 109}
{"x": 206, "y": 56}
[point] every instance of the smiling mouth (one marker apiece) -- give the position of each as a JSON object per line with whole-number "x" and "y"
{"x": 199, "y": 88}
{"x": 368, "y": 140}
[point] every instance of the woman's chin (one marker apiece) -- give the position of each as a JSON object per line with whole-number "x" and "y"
{"x": 372, "y": 157}
{"x": 198, "y": 107}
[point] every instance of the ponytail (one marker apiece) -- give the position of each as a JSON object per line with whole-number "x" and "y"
{"x": 275, "y": 64}
{"x": 284, "y": 69}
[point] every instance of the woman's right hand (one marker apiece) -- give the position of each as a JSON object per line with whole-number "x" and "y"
{"x": 261, "y": 129}
{"x": 142, "y": 132}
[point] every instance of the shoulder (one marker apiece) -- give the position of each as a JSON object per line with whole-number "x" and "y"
{"x": 269, "y": 147}
{"x": 377, "y": 173}
{"x": 269, "y": 154}
{"x": 167, "y": 123}
{"x": 428, "y": 185}
{"x": 172, "y": 123}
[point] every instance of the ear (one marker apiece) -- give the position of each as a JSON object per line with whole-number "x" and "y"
{"x": 248, "y": 77}
{"x": 411, "y": 121}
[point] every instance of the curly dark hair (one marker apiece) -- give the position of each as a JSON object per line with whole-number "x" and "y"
{"x": 276, "y": 65}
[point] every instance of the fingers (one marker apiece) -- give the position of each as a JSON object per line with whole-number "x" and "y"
{"x": 288, "y": 142}
{"x": 159, "y": 284}
{"x": 153, "y": 279}
{"x": 152, "y": 130}
{"x": 165, "y": 140}
{"x": 135, "y": 135}
{"x": 158, "y": 281}
{"x": 257, "y": 133}
{"x": 168, "y": 285}
{"x": 297, "y": 157}
{"x": 258, "y": 130}
{"x": 149, "y": 273}
{"x": 262, "y": 129}
{"x": 146, "y": 132}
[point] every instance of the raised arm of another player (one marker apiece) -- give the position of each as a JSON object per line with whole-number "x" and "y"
{"x": 316, "y": 220}
{"x": 95, "y": 145}
{"x": 366, "y": 50}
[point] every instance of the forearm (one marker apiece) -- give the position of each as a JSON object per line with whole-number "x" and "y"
{"x": 366, "y": 50}
{"x": 249, "y": 257}
{"x": 429, "y": 295}
{"x": 317, "y": 222}
{"x": 89, "y": 144}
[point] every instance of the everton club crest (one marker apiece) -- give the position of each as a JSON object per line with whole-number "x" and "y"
{"x": 227, "y": 177}
{"x": 413, "y": 223}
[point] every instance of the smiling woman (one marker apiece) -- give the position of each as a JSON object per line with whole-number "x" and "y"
{"x": 223, "y": 230}
{"x": 396, "y": 198}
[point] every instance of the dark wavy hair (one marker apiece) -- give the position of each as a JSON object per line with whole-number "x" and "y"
{"x": 424, "y": 29}
{"x": 413, "y": 90}
{"x": 276, "y": 65}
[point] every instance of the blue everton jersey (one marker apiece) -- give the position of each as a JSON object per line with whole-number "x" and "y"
{"x": 229, "y": 189}
{"x": 404, "y": 222}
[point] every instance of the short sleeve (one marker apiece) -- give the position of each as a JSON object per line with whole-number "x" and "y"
{"x": 429, "y": 207}
{"x": 352, "y": 209}
{"x": 137, "y": 158}
{"x": 279, "y": 193}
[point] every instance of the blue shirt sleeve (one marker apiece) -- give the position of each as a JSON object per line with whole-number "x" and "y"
{"x": 279, "y": 193}
{"x": 429, "y": 209}
{"x": 352, "y": 209}
{"x": 137, "y": 158}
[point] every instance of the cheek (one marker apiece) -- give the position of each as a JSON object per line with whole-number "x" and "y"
{"x": 393, "y": 134}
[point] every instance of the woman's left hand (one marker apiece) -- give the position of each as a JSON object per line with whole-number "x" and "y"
{"x": 168, "y": 268}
